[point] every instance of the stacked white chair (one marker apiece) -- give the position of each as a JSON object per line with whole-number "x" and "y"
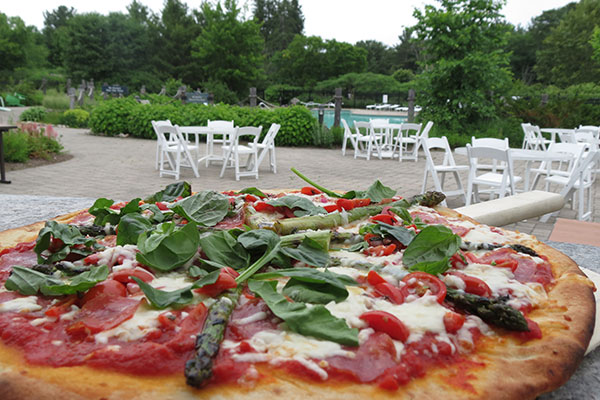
{"x": 533, "y": 138}
{"x": 221, "y": 134}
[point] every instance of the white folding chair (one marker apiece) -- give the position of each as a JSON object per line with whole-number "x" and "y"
{"x": 160, "y": 142}
{"x": 500, "y": 183}
{"x": 448, "y": 165}
{"x": 496, "y": 143}
{"x": 233, "y": 150}
{"x": 267, "y": 146}
{"x": 176, "y": 151}
{"x": 348, "y": 136}
{"x": 220, "y": 135}
{"x": 533, "y": 138}
{"x": 582, "y": 178}
{"x": 366, "y": 143}
{"x": 414, "y": 139}
{"x": 572, "y": 151}
{"x": 588, "y": 134}
{"x": 380, "y": 128}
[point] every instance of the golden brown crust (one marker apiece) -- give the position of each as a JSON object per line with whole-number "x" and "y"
{"x": 502, "y": 367}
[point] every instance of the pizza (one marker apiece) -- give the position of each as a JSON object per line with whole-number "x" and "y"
{"x": 288, "y": 294}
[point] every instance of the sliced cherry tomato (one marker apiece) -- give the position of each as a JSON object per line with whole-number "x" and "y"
{"x": 250, "y": 198}
{"x": 92, "y": 259}
{"x": 458, "y": 260}
{"x": 394, "y": 294}
{"x": 261, "y": 206}
{"x": 345, "y": 204}
{"x": 385, "y": 218}
{"x": 373, "y": 240}
{"x": 161, "y": 206}
{"x": 225, "y": 281}
{"x": 380, "y": 251}
{"x": 383, "y": 321}
{"x": 374, "y": 278}
{"x": 473, "y": 284}
{"x": 507, "y": 263}
{"x": 419, "y": 283}
{"x": 453, "y": 321}
{"x": 124, "y": 275}
{"x": 361, "y": 202}
{"x": 331, "y": 208}
{"x": 310, "y": 191}
{"x": 109, "y": 287}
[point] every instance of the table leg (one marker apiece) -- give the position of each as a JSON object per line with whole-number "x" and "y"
{"x": 2, "y": 171}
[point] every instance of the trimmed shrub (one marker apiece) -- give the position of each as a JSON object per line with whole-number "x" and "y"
{"x": 31, "y": 141}
{"x": 75, "y": 118}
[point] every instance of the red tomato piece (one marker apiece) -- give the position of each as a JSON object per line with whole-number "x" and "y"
{"x": 124, "y": 275}
{"x": 385, "y": 218}
{"x": 92, "y": 259}
{"x": 374, "y": 278}
{"x": 382, "y": 321}
{"x": 380, "y": 251}
{"x": 473, "y": 285}
{"x": 534, "y": 331}
{"x": 261, "y": 206}
{"x": 453, "y": 321}
{"x": 55, "y": 245}
{"x": 108, "y": 288}
{"x": 418, "y": 283}
{"x": 361, "y": 202}
{"x": 230, "y": 271}
{"x": 394, "y": 294}
{"x": 61, "y": 307}
{"x": 345, "y": 204}
{"x": 507, "y": 263}
{"x": 167, "y": 320}
{"x": 161, "y": 206}
{"x": 331, "y": 208}
{"x": 310, "y": 191}
{"x": 224, "y": 281}
{"x": 250, "y": 198}
{"x": 287, "y": 212}
{"x": 373, "y": 240}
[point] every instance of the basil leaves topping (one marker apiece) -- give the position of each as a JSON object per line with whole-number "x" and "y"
{"x": 168, "y": 247}
{"x": 301, "y": 205}
{"x": 171, "y": 193}
{"x": 63, "y": 240}
{"x": 29, "y": 282}
{"x": 431, "y": 250}
{"x": 205, "y": 208}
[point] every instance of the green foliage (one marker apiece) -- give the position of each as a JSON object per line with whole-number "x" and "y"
{"x": 279, "y": 22}
{"x": 75, "y": 118}
{"x": 35, "y": 114}
{"x": 459, "y": 135}
{"x": 55, "y": 100}
{"x": 379, "y": 56}
{"x": 465, "y": 70}
{"x": 16, "y": 148}
{"x": 125, "y": 115}
{"x": 20, "y": 146}
{"x": 281, "y": 93}
{"x": 403, "y": 75}
{"x": 221, "y": 93}
{"x": 595, "y": 43}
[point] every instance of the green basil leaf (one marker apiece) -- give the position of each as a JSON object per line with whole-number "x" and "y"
{"x": 27, "y": 281}
{"x": 157, "y": 215}
{"x": 223, "y": 248}
{"x": 257, "y": 239}
{"x": 80, "y": 283}
{"x": 310, "y": 275}
{"x": 403, "y": 214}
{"x": 205, "y": 208}
{"x": 433, "y": 244}
{"x": 301, "y": 205}
{"x": 162, "y": 299}
{"x": 130, "y": 227}
{"x": 316, "y": 293}
{"x": 196, "y": 272}
{"x": 68, "y": 234}
{"x": 309, "y": 252}
{"x": 103, "y": 213}
{"x": 403, "y": 235}
{"x": 168, "y": 248}
{"x": 315, "y": 321}
{"x": 358, "y": 246}
{"x": 432, "y": 267}
{"x": 207, "y": 279}
{"x": 253, "y": 191}
{"x": 378, "y": 191}
{"x": 171, "y": 192}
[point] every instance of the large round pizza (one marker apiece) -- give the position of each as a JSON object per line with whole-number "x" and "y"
{"x": 287, "y": 294}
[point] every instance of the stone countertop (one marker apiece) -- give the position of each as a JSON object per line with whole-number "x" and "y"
{"x": 20, "y": 210}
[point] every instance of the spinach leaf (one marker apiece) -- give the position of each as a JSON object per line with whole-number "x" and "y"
{"x": 309, "y": 252}
{"x": 171, "y": 192}
{"x": 168, "y": 248}
{"x": 253, "y": 191}
{"x": 205, "y": 208}
{"x": 315, "y": 321}
{"x": 68, "y": 234}
{"x": 432, "y": 245}
{"x": 302, "y": 205}
{"x": 129, "y": 228}
{"x": 310, "y": 275}
{"x": 29, "y": 282}
{"x": 223, "y": 248}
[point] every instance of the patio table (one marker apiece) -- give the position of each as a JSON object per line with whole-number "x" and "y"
{"x": 198, "y": 131}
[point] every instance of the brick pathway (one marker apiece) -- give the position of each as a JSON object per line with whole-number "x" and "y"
{"x": 123, "y": 168}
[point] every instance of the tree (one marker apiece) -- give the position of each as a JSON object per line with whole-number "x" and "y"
{"x": 20, "y": 45}
{"x": 406, "y": 54}
{"x": 280, "y": 21}
{"x": 465, "y": 68}
{"x": 379, "y": 56}
{"x": 566, "y": 55}
{"x": 54, "y": 24}
{"x": 228, "y": 50}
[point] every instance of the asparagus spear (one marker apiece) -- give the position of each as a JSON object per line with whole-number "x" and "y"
{"x": 198, "y": 370}
{"x": 519, "y": 248}
{"x": 492, "y": 311}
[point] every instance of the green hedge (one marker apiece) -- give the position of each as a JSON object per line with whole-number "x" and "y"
{"x": 125, "y": 115}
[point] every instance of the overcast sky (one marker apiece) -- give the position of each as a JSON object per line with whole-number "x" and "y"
{"x": 344, "y": 20}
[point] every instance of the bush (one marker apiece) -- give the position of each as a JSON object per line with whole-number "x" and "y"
{"x": 125, "y": 115}
{"x": 16, "y": 148}
{"x": 35, "y": 114}
{"x": 75, "y": 118}
{"x": 31, "y": 141}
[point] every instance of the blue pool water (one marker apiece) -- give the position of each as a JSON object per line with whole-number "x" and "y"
{"x": 350, "y": 117}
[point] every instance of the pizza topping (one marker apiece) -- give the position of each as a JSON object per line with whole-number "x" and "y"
{"x": 21, "y": 305}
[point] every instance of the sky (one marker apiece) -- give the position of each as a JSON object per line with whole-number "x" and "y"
{"x": 343, "y": 20}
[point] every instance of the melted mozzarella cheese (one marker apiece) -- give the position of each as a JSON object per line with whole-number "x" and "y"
{"x": 21, "y": 305}
{"x": 110, "y": 255}
{"x": 170, "y": 282}
{"x": 351, "y": 258}
{"x": 143, "y": 321}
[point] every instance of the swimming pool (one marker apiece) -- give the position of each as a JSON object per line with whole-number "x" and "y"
{"x": 351, "y": 117}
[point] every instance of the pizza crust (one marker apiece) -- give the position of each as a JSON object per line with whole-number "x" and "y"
{"x": 503, "y": 368}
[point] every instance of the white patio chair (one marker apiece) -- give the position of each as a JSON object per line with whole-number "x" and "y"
{"x": 588, "y": 134}
{"x": 160, "y": 142}
{"x": 395, "y": 135}
{"x": 533, "y": 138}
{"x": 567, "y": 137}
{"x": 233, "y": 150}
{"x": 501, "y": 183}
{"x": 366, "y": 143}
{"x": 348, "y": 136}
{"x": 267, "y": 146}
{"x": 381, "y": 129}
{"x": 220, "y": 135}
{"x": 413, "y": 135}
{"x": 496, "y": 143}
{"x": 573, "y": 151}
{"x": 176, "y": 150}
{"x": 582, "y": 178}
{"x": 448, "y": 165}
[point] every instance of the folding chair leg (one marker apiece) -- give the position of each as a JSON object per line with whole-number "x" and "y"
{"x": 425, "y": 176}
{"x": 273, "y": 160}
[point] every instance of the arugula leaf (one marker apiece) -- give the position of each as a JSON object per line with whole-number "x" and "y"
{"x": 432, "y": 245}
{"x": 309, "y": 252}
{"x": 68, "y": 234}
{"x": 223, "y": 248}
{"x": 168, "y": 248}
{"x": 206, "y": 208}
{"x": 303, "y": 205}
{"x": 432, "y": 267}
{"x": 253, "y": 191}
{"x": 315, "y": 321}
{"x": 171, "y": 192}
{"x": 29, "y": 282}
{"x": 129, "y": 228}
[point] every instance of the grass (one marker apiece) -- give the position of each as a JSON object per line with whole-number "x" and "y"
{"x": 55, "y": 100}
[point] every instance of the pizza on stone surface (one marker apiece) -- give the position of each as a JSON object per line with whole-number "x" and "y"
{"x": 290, "y": 293}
